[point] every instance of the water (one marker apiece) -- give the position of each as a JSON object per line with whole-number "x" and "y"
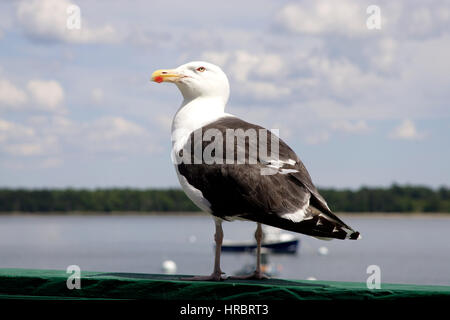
{"x": 407, "y": 249}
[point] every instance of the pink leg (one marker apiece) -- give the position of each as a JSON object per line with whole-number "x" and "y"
{"x": 217, "y": 272}
{"x": 258, "y": 274}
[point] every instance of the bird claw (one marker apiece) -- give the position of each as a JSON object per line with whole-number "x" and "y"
{"x": 257, "y": 275}
{"x": 215, "y": 276}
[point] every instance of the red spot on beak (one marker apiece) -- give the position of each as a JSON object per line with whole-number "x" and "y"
{"x": 159, "y": 79}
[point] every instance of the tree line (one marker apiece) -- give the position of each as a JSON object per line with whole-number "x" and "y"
{"x": 395, "y": 198}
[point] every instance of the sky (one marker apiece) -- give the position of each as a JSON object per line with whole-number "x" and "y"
{"x": 361, "y": 106}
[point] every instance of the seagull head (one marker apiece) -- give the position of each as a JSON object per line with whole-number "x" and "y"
{"x": 196, "y": 79}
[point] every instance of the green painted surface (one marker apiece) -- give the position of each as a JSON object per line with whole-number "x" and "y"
{"x": 51, "y": 284}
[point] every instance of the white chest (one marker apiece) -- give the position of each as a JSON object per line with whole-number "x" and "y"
{"x": 193, "y": 115}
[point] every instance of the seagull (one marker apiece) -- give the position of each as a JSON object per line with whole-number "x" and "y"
{"x": 268, "y": 188}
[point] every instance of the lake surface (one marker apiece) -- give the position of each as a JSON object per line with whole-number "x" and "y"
{"x": 407, "y": 249}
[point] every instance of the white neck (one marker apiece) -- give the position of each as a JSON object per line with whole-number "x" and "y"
{"x": 194, "y": 114}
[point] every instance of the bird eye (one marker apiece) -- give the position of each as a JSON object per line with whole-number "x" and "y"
{"x": 201, "y": 69}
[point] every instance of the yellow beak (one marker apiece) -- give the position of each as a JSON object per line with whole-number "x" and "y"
{"x": 166, "y": 75}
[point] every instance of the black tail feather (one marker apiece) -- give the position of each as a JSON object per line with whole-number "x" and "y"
{"x": 316, "y": 226}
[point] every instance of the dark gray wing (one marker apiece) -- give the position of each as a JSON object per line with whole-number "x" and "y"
{"x": 286, "y": 198}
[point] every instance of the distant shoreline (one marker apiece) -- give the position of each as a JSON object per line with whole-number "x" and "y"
{"x": 406, "y": 199}
{"x": 199, "y": 213}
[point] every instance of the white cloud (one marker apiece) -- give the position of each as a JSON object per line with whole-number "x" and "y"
{"x": 46, "y": 95}
{"x": 348, "y": 126}
{"x": 425, "y": 21}
{"x": 244, "y": 64}
{"x": 218, "y": 58}
{"x": 114, "y": 134}
{"x": 253, "y": 72}
{"x": 49, "y": 95}
{"x": 51, "y": 162}
{"x": 324, "y": 17}
{"x": 164, "y": 121}
{"x": 348, "y": 18}
{"x": 20, "y": 140}
{"x": 382, "y": 54}
{"x": 317, "y": 137}
{"x": 22, "y": 149}
{"x": 343, "y": 78}
{"x": 11, "y": 95}
{"x": 97, "y": 95}
{"x": 406, "y": 131}
{"x": 343, "y": 84}
{"x": 11, "y": 130}
{"x": 262, "y": 90}
{"x": 47, "y": 20}
{"x": 54, "y": 125}
{"x": 109, "y": 128}
{"x": 55, "y": 137}
{"x": 306, "y": 73}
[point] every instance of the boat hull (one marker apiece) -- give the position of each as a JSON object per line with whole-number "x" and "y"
{"x": 289, "y": 247}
